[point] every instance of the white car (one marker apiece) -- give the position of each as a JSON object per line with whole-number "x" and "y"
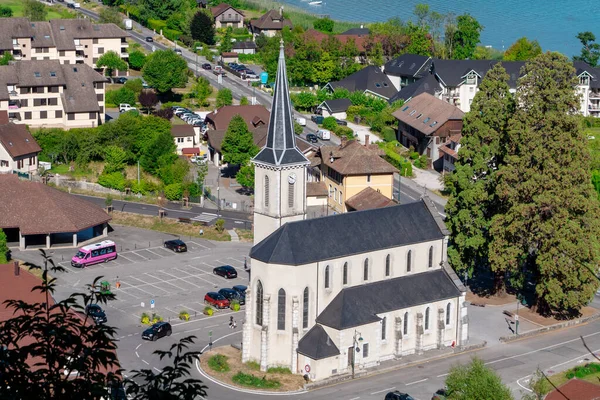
{"x": 301, "y": 121}
{"x": 199, "y": 159}
{"x": 125, "y": 107}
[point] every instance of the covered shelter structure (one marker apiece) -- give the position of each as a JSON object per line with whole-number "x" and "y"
{"x": 39, "y": 216}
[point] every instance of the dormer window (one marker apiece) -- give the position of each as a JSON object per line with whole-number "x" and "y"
{"x": 471, "y": 78}
{"x": 426, "y": 120}
{"x": 52, "y": 74}
{"x": 584, "y": 80}
{"x": 413, "y": 112}
{"x": 37, "y": 74}
{"x": 378, "y": 85}
{"x": 405, "y": 108}
{"x": 419, "y": 116}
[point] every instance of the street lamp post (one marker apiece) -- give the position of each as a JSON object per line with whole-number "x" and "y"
{"x": 197, "y": 48}
{"x": 355, "y": 349}
{"x": 218, "y": 191}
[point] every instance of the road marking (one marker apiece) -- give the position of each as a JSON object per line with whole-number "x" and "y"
{"x": 156, "y": 254}
{"x": 415, "y": 382}
{"x": 175, "y": 278}
{"x": 130, "y": 286}
{"x": 355, "y": 398}
{"x": 440, "y": 376}
{"x": 139, "y": 255}
{"x": 197, "y": 277}
{"x": 145, "y": 362}
{"x": 76, "y": 283}
{"x": 160, "y": 371}
{"x": 189, "y": 308}
{"x": 148, "y": 283}
{"x": 128, "y": 259}
{"x": 138, "y": 346}
{"x": 136, "y": 353}
{"x": 173, "y": 311}
{"x": 165, "y": 281}
{"x": 384, "y": 390}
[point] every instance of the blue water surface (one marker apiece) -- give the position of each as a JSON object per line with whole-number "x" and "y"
{"x": 553, "y": 23}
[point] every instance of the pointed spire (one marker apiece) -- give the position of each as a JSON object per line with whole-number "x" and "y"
{"x": 281, "y": 140}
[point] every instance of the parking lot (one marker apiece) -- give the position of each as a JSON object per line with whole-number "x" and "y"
{"x": 148, "y": 273}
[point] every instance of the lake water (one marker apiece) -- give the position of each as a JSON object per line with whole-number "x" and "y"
{"x": 553, "y": 23}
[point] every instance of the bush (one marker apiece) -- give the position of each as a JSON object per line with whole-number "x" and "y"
{"x": 156, "y": 318}
{"x": 218, "y": 363}
{"x": 114, "y": 180}
{"x": 342, "y": 131}
{"x": 234, "y": 305}
{"x": 353, "y": 111}
{"x": 174, "y": 191}
{"x": 413, "y": 155}
{"x": 583, "y": 371}
{"x": 253, "y": 365}
{"x": 403, "y": 165}
{"x": 137, "y": 59}
{"x": 388, "y": 134}
{"x": 421, "y": 162}
{"x": 220, "y": 225}
{"x": 165, "y": 113}
{"x": 120, "y": 96}
{"x": 279, "y": 370}
{"x": 171, "y": 34}
{"x": 157, "y": 24}
{"x": 187, "y": 40}
{"x": 329, "y": 123}
{"x": 135, "y": 85}
{"x": 145, "y": 319}
{"x": 208, "y": 310}
{"x": 253, "y": 381}
{"x": 184, "y": 315}
{"x": 249, "y": 58}
{"x": 143, "y": 188}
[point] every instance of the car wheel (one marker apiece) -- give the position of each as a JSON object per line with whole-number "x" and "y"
{"x": 169, "y": 333}
{"x": 165, "y": 246}
{"x": 106, "y": 260}
{"x": 154, "y": 338}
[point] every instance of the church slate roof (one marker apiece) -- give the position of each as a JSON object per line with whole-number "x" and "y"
{"x": 342, "y": 235}
{"x": 317, "y": 344}
{"x": 281, "y": 149}
{"x": 359, "y": 305}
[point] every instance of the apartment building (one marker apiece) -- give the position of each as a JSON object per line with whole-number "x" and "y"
{"x": 18, "y": 149}
{"x": 50, "y": 94}
{"x": 71, "y": 41}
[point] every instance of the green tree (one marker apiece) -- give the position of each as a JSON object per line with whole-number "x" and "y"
{"x": 226, "y": 45}
{"x": 224, "y": 97}
{"x": 304, "y": 101}
{"x": 135, "y": 85}
{"x": 523, "y": 50}
{"x": 115, "y": 159}
{"x": 3, "y": 248}
{"x": 472, "y": 186}
{"x": 111, "y": 61}
{"x": 120, "y": 96}
{"x": 324, "y": 69}
{"x": 324, "y": 24}
{"x": 475, "y": 381}
{"x": 244, "y": 101}
{"x": 161, "y": 9}
{"x": 238, "y": 144}
{"x": 137, "y": 59}
{"x": 549, "y": 230}
{"x": 466, "y": 37}
{"x": 165, "y": 70}
{"x": 5, "y": 12}
{"x": 590, "y": 53}
{"x": 160, "y": 151}
{"x": 245, "y": 177}
{"x": 174, "y": 172}
{"x": 34, "y": 10}
{"x": 202, "y": 28}
{"x": 201, "y": 90}
{"x": 110, "y": 15}
{"x": 6, "y": 58}
{"x": 420, "y": 40}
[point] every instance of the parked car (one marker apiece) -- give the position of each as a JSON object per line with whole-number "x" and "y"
{"x": 120, "y": 79}
{"x": 176, "y": 245}
{"x": 178, "y": 51}
{"x": 206, "y": 66}
{"x": 216, "y": 300}
{"x": 312, "y": 138}
{"x": 396, "y": 395}
{"x": 199, "y": 159}
{"x": 324, "y": 134}
{"x": 341, "y": 122}
{"x": 226, "y": 271}
{"x": 231, "y": 294}
{"x": 317, "y": 119}
{"x": 149, "y": 39}
{"x": 157, "y": 331}
{"x": 96, "y": 313}
{"x": 441, "y": 394}
{"x": 240, "y": 288}
{"x": 181, "y": 111}
{"x": 125, "y": 107}
{"x": 301, "y": 121}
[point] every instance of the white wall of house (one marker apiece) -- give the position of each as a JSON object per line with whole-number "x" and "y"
{"x": 26, "y": 163}
{"x": 183, "y": 143}
{"x": 338, "y": 115}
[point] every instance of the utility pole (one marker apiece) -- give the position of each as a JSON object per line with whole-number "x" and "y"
{"x": 138, "y": 172}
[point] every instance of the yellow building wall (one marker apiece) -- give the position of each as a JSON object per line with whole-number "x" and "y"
{"x": 352, "y": 185}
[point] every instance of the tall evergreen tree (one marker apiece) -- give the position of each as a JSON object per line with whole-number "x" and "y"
{"x": 549, "y": 230}
{"x": 472, "y": 186}
{"x": 238, "y": 144}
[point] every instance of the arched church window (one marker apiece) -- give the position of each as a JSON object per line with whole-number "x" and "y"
{"x": 281, "y": 310}
{"x": 259, "y": 303}
{"x": 266, "y": 191}
{"x": 305, "y": 309}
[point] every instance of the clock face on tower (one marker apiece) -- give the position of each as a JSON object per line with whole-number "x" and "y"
{"x": 292, "y": 178}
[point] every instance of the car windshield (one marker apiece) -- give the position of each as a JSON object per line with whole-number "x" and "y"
{"x": 80, "y": 254}
{"x": 217, "y": 296}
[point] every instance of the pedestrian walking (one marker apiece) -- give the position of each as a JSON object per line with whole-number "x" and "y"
{"x": 234, "y": 324}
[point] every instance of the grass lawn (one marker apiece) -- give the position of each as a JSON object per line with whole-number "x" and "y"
{"x": 54, "y": 12}
{"x": 561, "y": 378}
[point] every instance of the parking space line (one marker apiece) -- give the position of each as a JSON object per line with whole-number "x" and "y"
{"x": 168, "y": 282}
{"x": 173, "y": 311}
{"x": 189, "y": 308}
{"x": 149, "y": 284}
{"x": 201, "y": 270}
{"x": 182, "y": 279}
{"x": 156, "y": 254}
{"x": 122, "y": 289}
{"x": 139, "y": 255}
{"x": 197, "y": 277}
{"x": 136, "y": 287}
{"x": 198, "y": 244}
{"x": 128, "y": 259}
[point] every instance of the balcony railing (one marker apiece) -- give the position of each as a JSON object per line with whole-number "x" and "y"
{"x": 124, "y": 44}
{"x": 594, "y": 95}
{"x": 231, "y": 19}
{"x": 16, "y": 46}
{"x": 79, "y": 56}
{"x": 13, "y": 94}
{"x": 124, "y": 54}
{"x": 79, "y": 47}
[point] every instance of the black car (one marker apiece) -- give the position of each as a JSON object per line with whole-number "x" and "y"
{"x": 157, "y": 331}
{"x": 206, "y": 66}
{"x": 396, "y": 395}
{"x": 232, "y": 294}
{"x": 96, "y": 313}
{"x": 241, "y": 289}
{"x": 341, "y": 123}
{"x": 176, "y": 245}
{"x": 312, "y": 138}
{"x": 317, "y": 119}
{"x": 149, "y": 39}
{"x": 226, "y": 271}
{"x": 120, "y": 80}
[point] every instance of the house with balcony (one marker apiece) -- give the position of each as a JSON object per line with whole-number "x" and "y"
{"x": 50, "y": 94}
{"x": 184, "y": 137}
{"x": 270, "y": 23}
{"x": 18, "y": 149}
{"x": 370, "y": 80}
{"x": 72, "y": 41}
{"x": 449, "y": 152}
{"x": 227, "y": 16}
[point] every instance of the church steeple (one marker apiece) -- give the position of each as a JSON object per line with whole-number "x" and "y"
{"x": 281, "y": 149}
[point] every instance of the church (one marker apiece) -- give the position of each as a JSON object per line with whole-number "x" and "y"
{"x": 334, "y": 295}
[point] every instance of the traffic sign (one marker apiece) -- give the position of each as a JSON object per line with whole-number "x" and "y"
{"x": 209, "y": 333}
{"x": 152, "y": 303}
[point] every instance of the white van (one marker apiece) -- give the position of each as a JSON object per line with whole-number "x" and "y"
{"x": 324, "y": 134}
{"x": 301, "y": 121}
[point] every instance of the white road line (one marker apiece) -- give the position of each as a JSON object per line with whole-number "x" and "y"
{"x": 130, "y": 286}
{"x": 175, "y": 278}
{"x": 197, "y": 277}
{"x": 156, "y": 254}
{"x": 442, "y": 375}
{"x": 128, "y": 259}
{"x": 159, "y": 371}
{"x": 384, "y": 390}
{"x": 198, "y": 244}
{"x": 122, "y": 289}
{"x": 136, "y": 353}
{"x": 173, "y": 311}
{"x": 201, "y": 270}
{"x": 145, "y": 362}
{"x": 415, "y": 382}
{"x": 184, "y": 306}
{"x": 148, "y": 283}
{"x": 138, "y": 346}
{"x": 139, "y": 255}
{"x": 355, "y": 398}
{"x": 196, "y": 258}
{"x": 76, "y": 283}
{"x": 165, "y": 281}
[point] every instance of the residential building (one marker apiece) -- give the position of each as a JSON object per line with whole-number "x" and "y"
{"x": 227, "y": 16}
{"x": 334, "y": 108}
{"x": 360, "y": 32}
{"x": 184, "y": 137}
{"x": 270, "y": 23}
{"x": 359, "y": 40}
{"x": 255, "y": 116}
{"x": 246, "y": 47}
{"x": 425, "y": 122}
{"x": 18, "y": 149}
{"x": 50, "y": 94}
{"x": 449, "y": 152}
{"x": 575, "y": 389}
{"x": 71, "y": 41}
{"x": 369, "y": 80}
{"x": 406, "y": 69}
{"x": 33, "y": 214}
{"x": 349, "y": 169}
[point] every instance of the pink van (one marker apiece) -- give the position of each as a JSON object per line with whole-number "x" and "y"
{"x": 95, "y": 253}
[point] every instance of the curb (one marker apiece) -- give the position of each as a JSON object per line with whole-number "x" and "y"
{"x": 508, "y": 339}
{"x": 347, "y": 377}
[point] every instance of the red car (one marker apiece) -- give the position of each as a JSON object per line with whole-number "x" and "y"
{"x": 216, "y": 300}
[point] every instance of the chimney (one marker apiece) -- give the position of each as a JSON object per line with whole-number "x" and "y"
{"x": 281, "y": 11}
{"x": 344, "y": 142}
{"x": 17, "y": 268}
{"x": 367, "y": 140}
{"x": 215, "y": 111}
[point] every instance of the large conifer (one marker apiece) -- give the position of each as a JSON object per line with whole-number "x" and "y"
{"x": 472, "y": 185}
{"x": 549, "y": 229}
